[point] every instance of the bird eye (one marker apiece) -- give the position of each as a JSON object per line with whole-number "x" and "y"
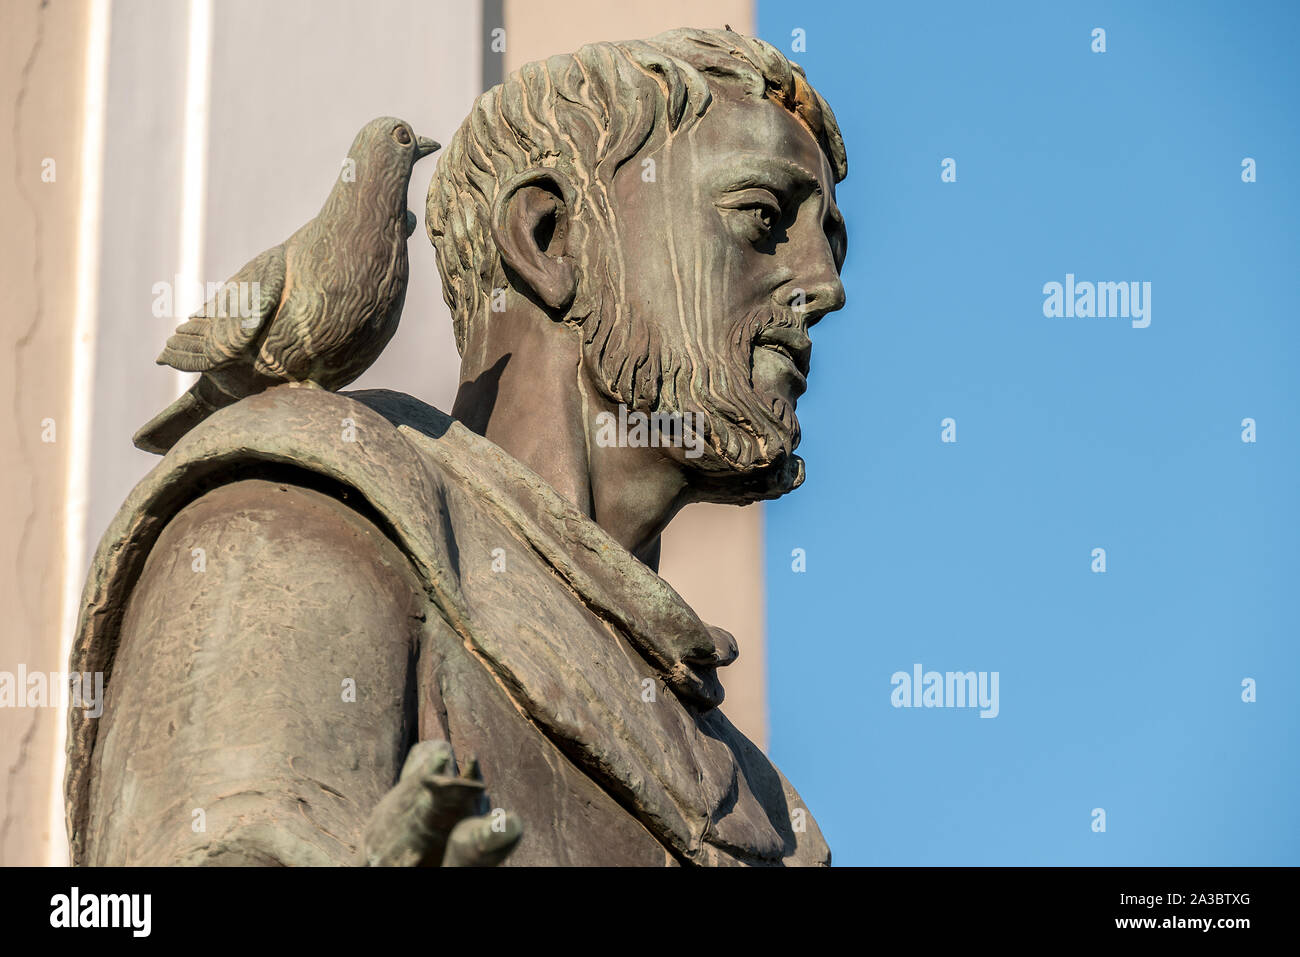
{"x": 402, "y": 135}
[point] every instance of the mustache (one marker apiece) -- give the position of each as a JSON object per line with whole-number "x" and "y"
{"x": 786, "y": 317}
{"x": 781, "y": 327}
{"x": 768, "y": 318}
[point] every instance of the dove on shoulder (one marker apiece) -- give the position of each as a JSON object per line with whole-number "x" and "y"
{"x": 320, "y": 307}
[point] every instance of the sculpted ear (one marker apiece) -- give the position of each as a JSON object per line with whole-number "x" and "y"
{"x": 530, "y": 224}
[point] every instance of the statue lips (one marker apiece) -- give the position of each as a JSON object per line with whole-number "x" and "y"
{"x": 792, "y": 344}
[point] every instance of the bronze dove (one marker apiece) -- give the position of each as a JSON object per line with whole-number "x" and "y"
{"x": 324, "y": 303}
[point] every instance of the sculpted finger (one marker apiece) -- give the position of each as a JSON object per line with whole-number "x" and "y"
{"x": 472, "y": 770}
{"x": 428, "y": 759}
{"x": 400, "y": 832}
{"x": 483, "y": 841}
{"x": 411, "y": 824}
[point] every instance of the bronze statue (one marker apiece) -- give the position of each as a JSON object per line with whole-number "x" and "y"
{"x": 315, "y": 597}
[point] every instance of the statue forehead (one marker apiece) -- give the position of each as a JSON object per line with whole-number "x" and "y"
{"x": 739, "y": 131}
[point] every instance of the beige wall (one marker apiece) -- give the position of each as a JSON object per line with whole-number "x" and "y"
{"x": 288, "y": 85}
{"x": 41, "y": 68}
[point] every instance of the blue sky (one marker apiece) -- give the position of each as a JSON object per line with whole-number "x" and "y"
{"x": 1120, "y": 690}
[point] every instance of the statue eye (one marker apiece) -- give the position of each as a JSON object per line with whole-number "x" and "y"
{"x": 402, "y": 135}
{"x": 764, "y": 216}
{"x": 757, "y": 210}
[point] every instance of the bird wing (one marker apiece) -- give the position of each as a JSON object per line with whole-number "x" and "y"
{"x": 222, "y": 331}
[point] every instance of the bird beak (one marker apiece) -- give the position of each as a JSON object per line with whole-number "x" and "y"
{"x": 424, "y": 146}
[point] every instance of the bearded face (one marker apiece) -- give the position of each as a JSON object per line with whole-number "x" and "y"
{"x": 722, "y": 251}
{"x": 725, "y": 389}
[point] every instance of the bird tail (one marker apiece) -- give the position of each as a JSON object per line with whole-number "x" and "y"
{"x": 167, "y": 427}
{"x": 187, "y": 348}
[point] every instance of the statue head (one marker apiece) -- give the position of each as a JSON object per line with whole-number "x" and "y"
{"x": 670, "y": 201}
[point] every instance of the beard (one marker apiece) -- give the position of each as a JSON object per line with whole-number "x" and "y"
{"x": 746, "y": 437}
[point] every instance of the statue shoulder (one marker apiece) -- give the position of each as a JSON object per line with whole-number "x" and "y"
{"x": 329, "y": 483}
{"x": 300, "y": 618}
{"x": 349, "y": 446}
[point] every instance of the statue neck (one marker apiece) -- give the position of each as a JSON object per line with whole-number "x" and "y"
{"x": 531, "y": 396}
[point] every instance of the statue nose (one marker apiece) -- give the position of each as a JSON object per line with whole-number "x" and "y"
{"x": 818, "y": 300}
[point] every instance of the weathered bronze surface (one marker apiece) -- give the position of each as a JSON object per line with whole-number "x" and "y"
{"x": 316, "y": 598}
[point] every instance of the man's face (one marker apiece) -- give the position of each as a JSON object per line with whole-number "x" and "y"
{"x": 729, "y": 248}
